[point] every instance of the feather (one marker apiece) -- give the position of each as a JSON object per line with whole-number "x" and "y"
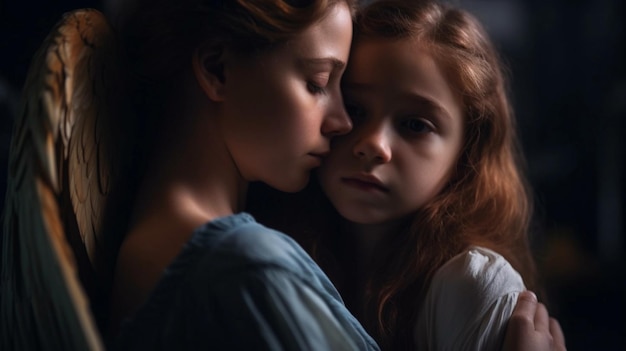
{"x": 63, "y": 166}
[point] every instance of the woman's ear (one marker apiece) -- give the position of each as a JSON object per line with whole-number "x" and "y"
{"x": 208, "y": 68}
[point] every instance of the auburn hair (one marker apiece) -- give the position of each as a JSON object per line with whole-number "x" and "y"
{"x": 486, "y": 202}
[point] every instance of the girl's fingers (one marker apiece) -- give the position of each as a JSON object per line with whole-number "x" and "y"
{"x": 542, "y": 318}
{"x": 531, "y": 328}
{"x": 526, "y": 308}
{"x": 557, "y": 335}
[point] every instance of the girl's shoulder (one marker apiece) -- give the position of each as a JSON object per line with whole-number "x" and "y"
{"x": 468, "y": 302}
{"x": 478, "y": 270}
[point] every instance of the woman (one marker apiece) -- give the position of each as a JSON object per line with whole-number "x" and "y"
{"x": 230, "y": 92}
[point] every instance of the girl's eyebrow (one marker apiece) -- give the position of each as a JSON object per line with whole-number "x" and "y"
{"x": 414, "y": 97}
{"x": 429, "y": 103}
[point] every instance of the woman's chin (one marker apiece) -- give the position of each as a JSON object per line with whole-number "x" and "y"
{"x": 293, "y": 185}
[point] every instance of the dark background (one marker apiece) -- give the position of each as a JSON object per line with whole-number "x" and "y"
{"x": 566, "y": 61}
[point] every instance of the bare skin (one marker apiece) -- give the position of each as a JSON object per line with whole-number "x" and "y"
{"x": 531, "y": 328}
{"x": 269, "y": 118}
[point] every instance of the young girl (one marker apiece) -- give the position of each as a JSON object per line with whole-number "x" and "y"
{"x": 230, "y": 92}
{"x": 432, "y": 248}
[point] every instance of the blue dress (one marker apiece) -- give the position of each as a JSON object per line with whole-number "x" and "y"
{"x": 238, "y": 285}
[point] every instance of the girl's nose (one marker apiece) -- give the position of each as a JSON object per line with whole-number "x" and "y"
{"x": 373, "y": 145}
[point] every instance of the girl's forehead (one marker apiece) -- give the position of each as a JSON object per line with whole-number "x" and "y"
{"x": 392, "y": 61}
{"x": 401, "y": 69}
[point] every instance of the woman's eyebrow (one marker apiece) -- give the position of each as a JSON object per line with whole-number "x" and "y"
{"x": 330, "y": 61}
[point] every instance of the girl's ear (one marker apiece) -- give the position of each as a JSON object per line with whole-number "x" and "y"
{"x": 208, "y": 68}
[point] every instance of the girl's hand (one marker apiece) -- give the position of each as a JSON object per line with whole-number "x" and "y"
{"x": 531, "y": 328}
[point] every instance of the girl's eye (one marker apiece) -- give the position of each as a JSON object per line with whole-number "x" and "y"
{"x": 416, "y": 125}
{"x": 356, "y": 112}
{"x": 314, "y": 88}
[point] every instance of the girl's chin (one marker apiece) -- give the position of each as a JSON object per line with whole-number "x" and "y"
{"x": 361, "y": 217}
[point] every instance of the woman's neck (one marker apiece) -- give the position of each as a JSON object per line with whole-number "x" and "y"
{"x": 196, "y": 186}
{"x": 191, "y": 180}
{"x": 192, "y": 175}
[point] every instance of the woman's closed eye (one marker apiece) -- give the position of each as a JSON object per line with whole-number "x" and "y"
{"x": 315, "y": 88}
{"x": 318, "y": 83}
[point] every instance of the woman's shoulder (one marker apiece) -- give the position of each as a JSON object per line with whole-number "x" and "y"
{"x": 242, "y": 238}
{"x": 237, "y": 282}
{"x": 238, "y": 244}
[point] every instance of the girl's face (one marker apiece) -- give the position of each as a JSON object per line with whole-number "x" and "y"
{"x": 283, "y": 106}
{"x": 408, "y": 133}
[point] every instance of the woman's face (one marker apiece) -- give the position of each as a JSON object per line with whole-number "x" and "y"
{"x": 408, "y": 133}
{"x": 282, "y": 107}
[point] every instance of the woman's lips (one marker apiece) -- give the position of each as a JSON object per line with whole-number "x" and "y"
{"x": 318, "y": 157}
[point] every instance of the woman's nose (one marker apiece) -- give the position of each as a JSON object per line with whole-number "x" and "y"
{"x": 337, "y": 122}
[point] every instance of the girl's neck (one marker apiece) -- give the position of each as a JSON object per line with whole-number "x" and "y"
{"x": 363, "y": 247}
{"x": 370, "y": 240}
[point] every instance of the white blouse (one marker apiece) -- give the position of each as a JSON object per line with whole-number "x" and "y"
{"x": 468, "y": 303}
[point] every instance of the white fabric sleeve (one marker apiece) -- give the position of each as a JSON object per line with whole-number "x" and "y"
{"x": 469, "y": 303}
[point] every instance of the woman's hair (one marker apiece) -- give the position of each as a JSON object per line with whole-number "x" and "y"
{"x": 160, "y": 37}
{"x": 486, "y": 202}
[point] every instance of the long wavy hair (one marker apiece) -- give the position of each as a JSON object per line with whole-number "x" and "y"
{"x": 486, "y": 202}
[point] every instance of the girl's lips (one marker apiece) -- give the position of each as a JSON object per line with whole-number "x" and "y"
{"x": 367, "y": 183}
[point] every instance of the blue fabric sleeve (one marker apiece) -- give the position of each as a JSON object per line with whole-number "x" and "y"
{"x": 241, "y": 286}
{"x": 270, "y": 309}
